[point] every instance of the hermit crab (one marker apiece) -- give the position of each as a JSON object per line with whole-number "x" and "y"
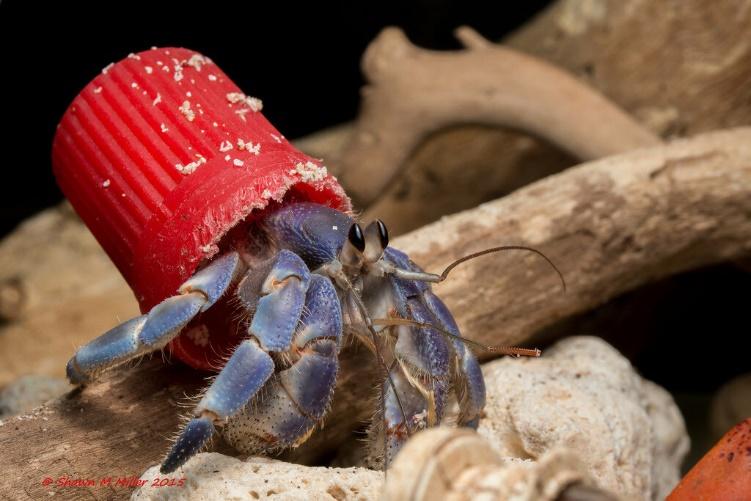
{"x": 247, "y": 261}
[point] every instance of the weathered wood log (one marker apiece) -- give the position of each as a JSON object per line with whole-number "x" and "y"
{"x": 610, "y": 225}
{"x": 111, "y": 429}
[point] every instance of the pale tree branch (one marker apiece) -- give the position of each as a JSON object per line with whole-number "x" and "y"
{"x": 413, "y": 92}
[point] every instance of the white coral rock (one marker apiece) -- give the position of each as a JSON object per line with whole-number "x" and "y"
{"x": 211, "y": 476}
{"x": 585, "y": 396}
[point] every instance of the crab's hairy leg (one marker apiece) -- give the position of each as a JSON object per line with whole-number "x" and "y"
{"x": 152, "y": 332}
{"x": 246, "y": 372}
{"x": 426, "y": 356}
{"x": 424, "y": 353}
{"x": 277, "y": 292}
{"x": 467, "y": 378}
{"x": 421, "y": 376}
{"x": 297, "y": 398}
{"x": 389, "y": 430}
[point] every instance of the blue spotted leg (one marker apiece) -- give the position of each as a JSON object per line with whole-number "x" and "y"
{"x": 424, "y": 374}
{"x": 153, "y": 331}
{"x": 466, "y": 379}
{"x": 298, "y": 396}
{"x": 296, "y": 316}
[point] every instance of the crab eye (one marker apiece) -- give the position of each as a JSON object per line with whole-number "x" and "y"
{"x": 383, "y": 233}
{"x": 376, "y": 241}
{"x": 356, "y": 237}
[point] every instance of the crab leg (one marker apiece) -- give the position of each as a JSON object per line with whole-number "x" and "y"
{"x": 152, "y": 332}
{"x": 246, "y": 372}
{"x": 424, "y": 353}
{"x": 421, "y": 378}
{"x": 297, "y": 398}
{"x": 278, "y": 293}
{"x": 394, "y": 431}
{"x": 421, "y": 374}
{"x": 467, "y": 379}
{"x": 425, "y": 356}
{"x": 425, "y": 373}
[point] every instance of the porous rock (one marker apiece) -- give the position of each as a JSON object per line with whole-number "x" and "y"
{"x": 583, "y": 395}
{"x": 211, "y": 476}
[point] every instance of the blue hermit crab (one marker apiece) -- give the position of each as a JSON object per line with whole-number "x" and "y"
{"x": 246, "y": 259}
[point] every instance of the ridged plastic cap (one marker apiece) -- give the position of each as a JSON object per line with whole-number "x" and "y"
{"x": 162, "y": 154}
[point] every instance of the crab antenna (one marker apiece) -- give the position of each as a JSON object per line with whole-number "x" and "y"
{"x": 435, "y": 278}
{"x": 502, "y": 350}
{"x": 501, "y": 248}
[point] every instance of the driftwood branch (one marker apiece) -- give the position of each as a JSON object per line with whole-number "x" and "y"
{"x": 610, "y": 225}
{"x": 414, "y": 92}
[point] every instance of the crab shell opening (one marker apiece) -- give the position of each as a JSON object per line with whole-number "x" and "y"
{"x": 162, "y": 155}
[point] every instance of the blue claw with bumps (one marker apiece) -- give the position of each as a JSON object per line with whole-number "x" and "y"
{"x": 320, "y": 277}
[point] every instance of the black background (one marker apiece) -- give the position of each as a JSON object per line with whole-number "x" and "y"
{"x": 302, "y": 60}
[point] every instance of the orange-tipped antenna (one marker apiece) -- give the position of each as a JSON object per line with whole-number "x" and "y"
{"x": 513, "y": 351}
{"x": 502, "y": 350}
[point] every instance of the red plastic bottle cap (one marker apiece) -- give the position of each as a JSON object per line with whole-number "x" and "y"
{"x": 161, "y": 155}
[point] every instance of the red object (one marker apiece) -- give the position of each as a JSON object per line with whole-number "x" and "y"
{"x": 724, "y": 473}
{"x": 161, "y": 155}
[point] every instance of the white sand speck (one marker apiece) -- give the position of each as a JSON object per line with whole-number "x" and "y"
{"x": 197, "y": 61}
{"x": 191, "y": 167}
{"x": 309, "y": 172}
{"x": 253, "y": 103}
{"x": 187, "y": 112}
